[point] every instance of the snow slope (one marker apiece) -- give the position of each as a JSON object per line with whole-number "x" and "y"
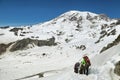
{"x": 101, "y": 71}
{"x": 76, "y": 33}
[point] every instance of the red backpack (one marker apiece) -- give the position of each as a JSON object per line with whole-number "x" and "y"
{"x": 87, "y": 60}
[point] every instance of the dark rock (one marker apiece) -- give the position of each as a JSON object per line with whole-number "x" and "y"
{"x": 73, "y": 18}
{"x": 112, "y": 24}
{"x": 81, "y": 47}
{"x": 44, "y": 54}
{"x": 1, "y": 34}
{"x": 97, "y": 41}
{"x": 15, "y": 30}
{"x": 22, "y": 35}
{"x": 118, "y": 22}
{"x": 103, "y": 17}
{"x": 67, "y": 40}
{"x": 41, "y": 75}
{"x": 64, "y": 20}
{"x": 59, "y": 33}
{"x": 79, "y": 20}
{"x": 105, "y": 33}
{"x": 117, "y": 68}
{"x": 5, "y": 27}
{"x": 115, "y": 42}
{"x": 89, "y": 17}
{"x": 113, "y": 32}
{"x": 3, "y": 47}
{"x": 104, "y": 26}
{"x": 22, "y": 44}
{"x": 79, "y": 26}
{"x": 95, "y": 17}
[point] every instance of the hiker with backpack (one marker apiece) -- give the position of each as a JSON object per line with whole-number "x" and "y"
{"x": 83, "y": 66}
{"x": 87, "y": 64}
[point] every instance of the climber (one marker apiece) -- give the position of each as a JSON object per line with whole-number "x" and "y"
{"x": 84, "y": 65}
{"x": 76, "y": 67}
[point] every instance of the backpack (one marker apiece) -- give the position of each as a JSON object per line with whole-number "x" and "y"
{"x": 76, "y": 67}
{"x": 87, "y": 60}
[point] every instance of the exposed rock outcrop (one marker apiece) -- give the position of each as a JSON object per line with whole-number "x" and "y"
{"x": 111, "y": 44}
{"x": 15, "y": 30}
{"x": 103, "y": 17}
{"x": 117, "y": 68}
{"x": 26, "y": 43}
{"x": 3, "y": 47}
{"x": 23, "y": 44}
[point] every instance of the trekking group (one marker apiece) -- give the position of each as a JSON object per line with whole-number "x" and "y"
{"x": 82, "y": 67}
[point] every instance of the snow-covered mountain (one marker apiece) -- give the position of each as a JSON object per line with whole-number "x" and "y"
{"x": 50, "y": 49}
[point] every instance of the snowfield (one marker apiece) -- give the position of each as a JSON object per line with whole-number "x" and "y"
{"x": 58, "y": 67}
{"x": 76, "y": 34}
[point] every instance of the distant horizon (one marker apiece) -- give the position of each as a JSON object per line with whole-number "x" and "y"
{"x": 24, "y": 12}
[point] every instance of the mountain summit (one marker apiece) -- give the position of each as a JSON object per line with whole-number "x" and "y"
{"x": 74, "y": 28}
{"x": 64, "y": 39}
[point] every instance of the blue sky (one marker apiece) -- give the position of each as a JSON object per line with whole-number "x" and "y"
{"x": 27, "y": 12}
